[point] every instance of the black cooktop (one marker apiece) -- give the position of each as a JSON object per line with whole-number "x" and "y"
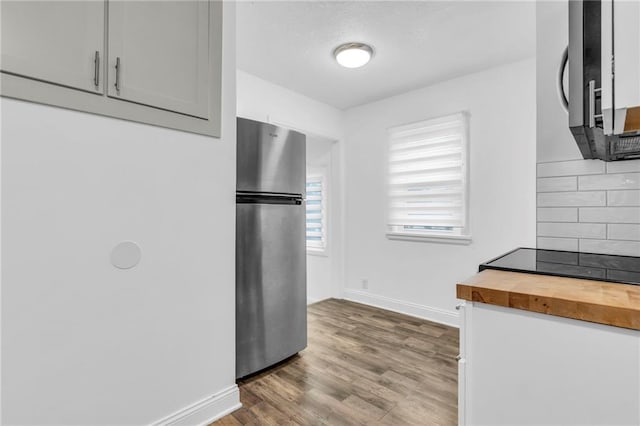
{"x": 601, "y": 267}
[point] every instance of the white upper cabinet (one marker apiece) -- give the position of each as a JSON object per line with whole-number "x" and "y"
{"x": 168, "y": 56}
{"x": 55, "y": 42}
{"x": 159, "y": 54}
{"x": 621, "y": 76}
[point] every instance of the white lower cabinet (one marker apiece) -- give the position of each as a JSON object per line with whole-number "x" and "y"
{"x": 522, "y": 368}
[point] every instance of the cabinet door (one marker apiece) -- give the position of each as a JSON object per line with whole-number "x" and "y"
{"x": 527, "y": 368}
{"x": 621, "y": 41}
{"x": 53, "y": 41}
{"x": 159, "y": 54}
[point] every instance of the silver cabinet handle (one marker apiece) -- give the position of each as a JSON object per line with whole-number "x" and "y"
{"x": 592, "y": 104}
{"x": 459, "y": 306}
{"x": 96, "y": 69}
{"x": 117, "y": 85}
{"x": 458, "y": 357}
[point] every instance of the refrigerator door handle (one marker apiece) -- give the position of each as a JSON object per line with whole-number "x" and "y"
{"x": 269, "y": 194}
{"x": 268, "y": 198}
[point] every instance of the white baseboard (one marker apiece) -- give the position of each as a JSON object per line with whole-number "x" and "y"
{"x": 312, "y": 300}
{"x": 206, "y": 410}
{"x": 430, "y": 313}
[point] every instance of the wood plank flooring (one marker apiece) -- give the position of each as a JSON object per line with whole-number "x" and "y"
{"x": 362, "y": 366}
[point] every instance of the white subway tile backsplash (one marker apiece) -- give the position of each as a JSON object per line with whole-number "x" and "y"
{"x": 553, "y": 184}
{"x": 589, "y": 206}
{"x": 572, "y": 230}
{"x": 547, "y": 243}
{"x": 609, "y": 214}
{"x": 624, "y": 248}
{"x": 623, "y": 166}
{"x": 614, "y": 181}
{"x": 616, "y": 231}
{"x": 571, "y": 168}
{"x": 572, "y": 199}
{"x": 623, "y": 198}
{"x": 557, "y": 214}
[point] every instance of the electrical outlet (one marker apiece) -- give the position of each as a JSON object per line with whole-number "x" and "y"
{"x": 365, "y": 283}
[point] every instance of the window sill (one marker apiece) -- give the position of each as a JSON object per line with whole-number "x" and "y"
{"x": 317, "y": 252}
{"x": 431, "y": 238}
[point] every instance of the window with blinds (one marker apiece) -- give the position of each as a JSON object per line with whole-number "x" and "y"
{"x": 316, "y": 221}
{"x": 427, "y": 178}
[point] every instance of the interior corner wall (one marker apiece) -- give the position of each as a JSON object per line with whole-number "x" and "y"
{"x": 320, "y": 264}
{"x": 264, "y": 101}
{"x": 85, "y": 343}
{"x": 419, "y": 278}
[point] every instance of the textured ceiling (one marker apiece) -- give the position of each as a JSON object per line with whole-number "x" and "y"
{"x": 416, "y": 43}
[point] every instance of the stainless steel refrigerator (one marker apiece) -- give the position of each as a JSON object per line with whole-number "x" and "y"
{"x": 271, "y": 287}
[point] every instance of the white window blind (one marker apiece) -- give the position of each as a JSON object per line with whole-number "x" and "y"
{"x": 316, "y": 221}
{"x": 428, "y": 177}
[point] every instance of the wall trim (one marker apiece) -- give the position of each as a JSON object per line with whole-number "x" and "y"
{"x": 442, "y": 316}
{"x": 312, "y": 300}
{"x": 205, "y": 411}
{"x": 431, "y": 238}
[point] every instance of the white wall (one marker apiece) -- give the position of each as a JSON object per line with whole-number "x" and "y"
{"x": 419, "y": 277}
{"x": 554, "y": 140}
{"x": 261, "y": 100}
{"x": 85, "y": 343}
{"x": 264, "y": 101}
{"x": 320, "y": 265}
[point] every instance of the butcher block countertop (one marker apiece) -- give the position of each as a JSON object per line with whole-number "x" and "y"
{"x": 587, "y": 300}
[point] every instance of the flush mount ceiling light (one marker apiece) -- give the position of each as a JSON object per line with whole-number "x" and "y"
{"x": 353, "y": 55}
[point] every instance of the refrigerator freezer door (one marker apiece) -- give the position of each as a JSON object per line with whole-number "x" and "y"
{"x": 270, "y": 158}
{"x": 271, "y": 293}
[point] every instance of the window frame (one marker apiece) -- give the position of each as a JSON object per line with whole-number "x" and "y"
{"x": 464, "y": 237}
{"x": 313, "y": 250}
